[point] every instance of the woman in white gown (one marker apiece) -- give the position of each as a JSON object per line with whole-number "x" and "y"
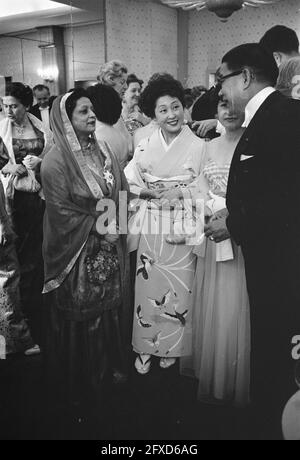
{"x": 220, "y": 358}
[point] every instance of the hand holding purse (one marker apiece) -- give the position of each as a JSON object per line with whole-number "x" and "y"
{"x": 27, "y": 183}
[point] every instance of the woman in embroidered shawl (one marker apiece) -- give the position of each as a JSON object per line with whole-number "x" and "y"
{"x": 162, "y": 173}
{"x": 85, "y": 301}
{"x": 27, "y": 141}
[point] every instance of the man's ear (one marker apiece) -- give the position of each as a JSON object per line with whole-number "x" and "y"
{"x": 248, "y": 77}
{"x": 278, "y": 57}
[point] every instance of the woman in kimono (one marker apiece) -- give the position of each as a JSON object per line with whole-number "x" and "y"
{"x": 220, "y": 357}
{"x": 162, "y": 174}
{"x": 86, "y": 268}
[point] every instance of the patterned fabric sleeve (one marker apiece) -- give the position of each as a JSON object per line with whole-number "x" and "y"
{"x": 3, "y": 154}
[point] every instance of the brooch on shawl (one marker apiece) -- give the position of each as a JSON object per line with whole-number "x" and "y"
{"x": 107, "y": 171}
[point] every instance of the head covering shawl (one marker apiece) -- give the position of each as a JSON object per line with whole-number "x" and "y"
{"x": 71, "y": 193}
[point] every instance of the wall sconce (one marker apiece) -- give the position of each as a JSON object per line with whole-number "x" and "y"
{"x": 49, "y": 73}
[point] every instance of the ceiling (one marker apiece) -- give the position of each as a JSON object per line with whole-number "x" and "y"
{"x": 20, "y": 15}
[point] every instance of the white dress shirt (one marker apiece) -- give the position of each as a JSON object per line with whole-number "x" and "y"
{"x": 255, "y": 103}
{"x": 45, "y": 116}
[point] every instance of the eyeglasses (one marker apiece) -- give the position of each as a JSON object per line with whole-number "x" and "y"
{"x": 221, "y": 79}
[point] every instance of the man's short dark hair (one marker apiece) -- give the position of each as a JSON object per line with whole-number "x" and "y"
{"x": 255, "y": 57}
{"x": 280, "y": 39}
{"x": 40, "y": 88}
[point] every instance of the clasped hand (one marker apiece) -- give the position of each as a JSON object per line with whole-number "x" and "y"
{"x": 216, "y": 229}
{"x": 15, "y": 170}
{"x": 164, "y": 197}
{"x": 31, "y": 161}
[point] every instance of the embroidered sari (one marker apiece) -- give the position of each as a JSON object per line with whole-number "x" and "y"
{"x": 87, "y": 323}
{"x": 165, "y": 273}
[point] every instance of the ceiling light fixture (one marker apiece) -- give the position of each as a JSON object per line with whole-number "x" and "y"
{"x": 222, "y": 8}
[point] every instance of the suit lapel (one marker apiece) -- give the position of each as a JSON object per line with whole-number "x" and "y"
{"x": 254, "y": 127}
{"x": 249, "y": 139}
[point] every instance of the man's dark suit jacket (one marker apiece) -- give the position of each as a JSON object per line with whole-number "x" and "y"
{"x": 263, "y": 200}
{"x": 263, "y": 190}
{"x": 35, "y": 109}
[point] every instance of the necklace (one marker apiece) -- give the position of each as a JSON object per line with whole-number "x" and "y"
{"x": 20, "y": 129}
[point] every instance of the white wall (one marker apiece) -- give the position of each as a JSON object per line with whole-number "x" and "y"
{"x": 12, "y": 58}
{"x": 163, "y": 40}
{"x": 89, "y": 52}
{"x": 143, "y": 35}
{"x": 210, "y": 39}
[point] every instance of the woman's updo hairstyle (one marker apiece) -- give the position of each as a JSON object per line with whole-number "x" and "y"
{"x": 23, "y": 93}
{"x": 132, "y": 78}
{"x": 106, "y": 102}
{"x": 71, "y": 102}
{"x": 159, "y": 85}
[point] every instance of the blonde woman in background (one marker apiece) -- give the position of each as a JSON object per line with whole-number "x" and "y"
{"x": 114, "y": 74}
{"x": 288, "y": 82}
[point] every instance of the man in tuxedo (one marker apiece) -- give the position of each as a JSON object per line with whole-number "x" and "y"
{"x": 44, "y": 101}
{"x": 263, "y": 203}
{"x": 282, "y": 42}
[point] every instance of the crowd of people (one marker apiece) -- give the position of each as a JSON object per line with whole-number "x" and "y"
{"x": 205, "y": 181}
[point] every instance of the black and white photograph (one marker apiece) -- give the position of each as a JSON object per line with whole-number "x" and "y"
{"x": 149, "y": 222}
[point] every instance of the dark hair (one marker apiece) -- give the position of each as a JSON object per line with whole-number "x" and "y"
{"x": 257, "y": 58}
{"x": 197, "y": 91}
{"x": 280, "y": 38}
{"x": 23, "y": 93}
{"x": 132, "y": 78}
{"x": 40, "y": 88}
{"x": 72, "y": 100}
{"x": 160, "y": 85}
{"x": 106, "y": 102}
{"x": 188, "y": 98}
